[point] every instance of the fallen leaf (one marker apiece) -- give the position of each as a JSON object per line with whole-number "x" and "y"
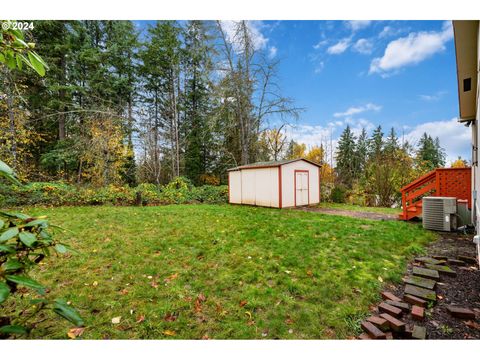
{"x": 440, "y": 297}
{"x": 472, "y": 324}
{"x": 249, "y": 314}
{"x": 198, "y": 306}
{"x": 289, "y": 321}
{"x": 170, "y": 278}
{"x": 154, "y": 284}
{"x": 380, "y": 279}
{"x": 170, "y": 317}
{"x": 124, "y": 292}
{"x": 205, "y": 337}
{"x": 243, "y": 303}
{"x": 140, "y": 319}
{"x": 116, "y": 320}
{"x": 310, "y": 273}
{"x": 169, "y": 332}
{"x": 75, "y": 332}
{"x": 95, "y": 283}
{"x": 201, "y": 297}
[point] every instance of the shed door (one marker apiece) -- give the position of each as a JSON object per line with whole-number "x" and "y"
{"x": 301, "y": 187}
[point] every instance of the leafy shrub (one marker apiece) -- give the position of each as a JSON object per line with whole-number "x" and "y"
{"x": 211, "y": 194}
{"x": 24, "y": 242}
{"x": 179, "y": 191}
{"x": 338, "y": 194}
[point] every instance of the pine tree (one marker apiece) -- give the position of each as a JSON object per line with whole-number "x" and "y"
{"x": 345, "y": 157}
{"x": 362, "y": 151}
{"x": 376, "y": 143}
{"x": 197, "y": 100}
{"x": 391, "y": 144}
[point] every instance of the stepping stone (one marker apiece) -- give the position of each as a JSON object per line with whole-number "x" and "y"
{"x": 461, "y": 313}
{"x": 418, "y": 313}
{"x": 401, "y": 305}
{"x": 420, "y": 292}
{"x": 414, "y": 300}
{"x": 456, "y": 262}
{"x": 429, "y": 260}
{"x": 372, "y": 330}
{"x": 420, "y": 281}
{"x": 467, "y": 259}
{"x": 395, "y": 324}
{"x": 439, "y": 257}
{"x": 426, "y": 273}
{"x": 379, "y": 322}
{"x": 442, "y": 269}
{"x": 389, "y": 296}
{"x": 419, "y": 332}
{"x": 408, "y": 330}
{"x": 364, "y": 336}
{"x": 389, "y": 309}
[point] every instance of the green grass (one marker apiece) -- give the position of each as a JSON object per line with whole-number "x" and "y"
{"x": 302, "y": 275}
{"x": 381, "y": 210}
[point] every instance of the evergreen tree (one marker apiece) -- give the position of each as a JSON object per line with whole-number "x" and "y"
{"x": 345, "y": 157}
{"x": 197, "y": 101}
{"x": 430, "y": 154}
{"x": 376, "y": 143}
{"x": 391, "y": 144}
{"x": 362, "y": 151}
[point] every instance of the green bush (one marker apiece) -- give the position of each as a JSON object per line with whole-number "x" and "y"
{"x": 338, "y": 194}
{"x": 179, "y": 191}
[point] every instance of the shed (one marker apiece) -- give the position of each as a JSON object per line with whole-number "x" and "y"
{"x": 278, "y": 184}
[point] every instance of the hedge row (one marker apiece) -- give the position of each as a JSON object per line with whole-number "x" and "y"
{"x": 179, "y": 191}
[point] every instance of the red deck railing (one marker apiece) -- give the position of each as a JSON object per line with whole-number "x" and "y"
{"x": 454, "y": 182}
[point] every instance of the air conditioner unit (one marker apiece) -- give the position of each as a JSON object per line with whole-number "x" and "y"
{"x": 439, "y": 213}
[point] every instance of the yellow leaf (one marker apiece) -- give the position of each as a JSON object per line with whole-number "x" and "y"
{"x": 116, "y": 320}
{"x": 74, "y": 332}
{"x": 95, "y": 283}
{"x": 380, "y": 279}
{"x": 249, "y": 314}
{"x": 169, "y": 332}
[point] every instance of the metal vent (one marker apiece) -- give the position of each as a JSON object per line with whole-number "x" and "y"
{"x": 439, "y": 213}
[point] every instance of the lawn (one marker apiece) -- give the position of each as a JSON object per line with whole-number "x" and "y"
{"x": 221, "y": 271}
{"x": 381, "y": 210}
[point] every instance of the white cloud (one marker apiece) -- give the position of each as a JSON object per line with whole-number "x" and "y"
{"x": 363, "y": 46}
{"x": 356, "y": 25}
{"x": 272, "y": 52}
{"x": 357, "y": 110}
{"x": 319, "y": 67}
{"x": 320, "y": 44}
{"x": 454, "y": 137}
{"x": 412, "y": 49}
{"x": 339, "y": 47}
{"x": 433, "y": 97}
{"x": 254, "y": 29}
{"x": 389, "y": 31}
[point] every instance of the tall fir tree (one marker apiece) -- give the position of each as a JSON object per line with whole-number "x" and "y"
{"x": 345, "y": 157}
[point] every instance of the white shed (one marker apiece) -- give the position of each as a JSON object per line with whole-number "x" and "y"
{"x": 279, "y": 184}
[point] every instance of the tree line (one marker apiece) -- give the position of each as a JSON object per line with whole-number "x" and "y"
{"x": 372, "y": 169}
{"x": 123, "y": 104}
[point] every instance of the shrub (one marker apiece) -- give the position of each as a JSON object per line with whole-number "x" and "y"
{"x": 338, "y": 194}
{"x": 211, "y": 194}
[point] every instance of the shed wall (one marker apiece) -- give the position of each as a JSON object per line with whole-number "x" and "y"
{"x": 235, "y": 187}
{"x": 288, "y": 182}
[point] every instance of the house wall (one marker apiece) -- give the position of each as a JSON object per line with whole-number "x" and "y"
{"x": 475, "y": 144}
{"x": 288, "y": 182}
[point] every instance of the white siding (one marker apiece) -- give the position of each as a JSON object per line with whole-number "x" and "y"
{"x": 235, "y": 187}
{"x": 288, "y": 182}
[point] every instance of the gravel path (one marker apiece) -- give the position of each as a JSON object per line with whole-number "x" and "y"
{"x": 352, "y": 213}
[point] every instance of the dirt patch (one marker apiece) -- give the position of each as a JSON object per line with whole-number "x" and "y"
{"x": 351, "y": 213}
{"x": 462, "y": 290}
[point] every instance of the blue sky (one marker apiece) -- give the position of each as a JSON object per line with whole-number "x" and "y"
{"x": 397, "y": 74}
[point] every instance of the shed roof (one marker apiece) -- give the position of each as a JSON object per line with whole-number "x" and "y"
{"x": 268, "y": 164}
